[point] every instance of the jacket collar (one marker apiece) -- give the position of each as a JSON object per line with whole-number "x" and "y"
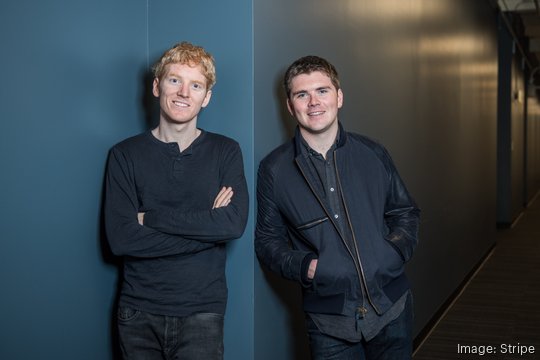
{"x": 300, "y": 149}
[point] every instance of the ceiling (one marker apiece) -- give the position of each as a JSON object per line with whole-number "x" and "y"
{"x": 523, "y": 17}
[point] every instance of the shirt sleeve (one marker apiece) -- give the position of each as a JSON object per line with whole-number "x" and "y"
{"x": 125, "y": 235}
{"x": 212, "y": 225}
{"x": 402, "y": 215}
{"x": 271, "y": 235}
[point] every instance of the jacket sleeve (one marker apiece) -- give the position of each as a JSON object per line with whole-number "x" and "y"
{"x": 271, "y": 235}
{"x": 212, "y": 225}
{"x": 125, "y": 235}
{"x": 402, "y": 216}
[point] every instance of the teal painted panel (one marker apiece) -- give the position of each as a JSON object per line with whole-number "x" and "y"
{"x": 72, "y": 73}
{"x": 224, "y": 28}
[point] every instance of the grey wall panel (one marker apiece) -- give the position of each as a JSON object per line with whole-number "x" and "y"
{"x": 517, "y": 133}
{"x": 514, "y": 146}
{"x": 533, "y": 148}
{"x": 421, "y": 77}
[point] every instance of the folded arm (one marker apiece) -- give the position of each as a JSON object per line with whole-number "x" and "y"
{"x": 126, "y": 236}
{"x": 226, "y": 220}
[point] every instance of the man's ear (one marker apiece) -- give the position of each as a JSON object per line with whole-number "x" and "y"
{"x": 340, "y": 98}
{"x": 289, "y": 107}
{"x": 155, "y": 87}
{"x": 207, "y": 98}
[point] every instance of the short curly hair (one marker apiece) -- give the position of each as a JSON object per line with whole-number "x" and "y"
{"x": 307, "y": 65}
{"x": 187, "y": 53}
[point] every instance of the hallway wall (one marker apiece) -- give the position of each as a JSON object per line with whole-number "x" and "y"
{"x": 512, "y": 104}
{"x": 421, "y": 77}
{"x": 518, "y": 134}
{"x": 76, "y": 82}
{"x": 532, "y": 148}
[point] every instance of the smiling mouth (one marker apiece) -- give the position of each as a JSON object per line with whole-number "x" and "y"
{"x": 316, "y": 113}
{"x": 180, "y": 104}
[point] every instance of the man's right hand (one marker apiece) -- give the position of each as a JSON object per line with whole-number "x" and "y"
{"x": 312, "y": 269}
{"x": 223, "y": 198}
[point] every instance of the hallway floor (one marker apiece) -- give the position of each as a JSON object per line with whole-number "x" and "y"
{"x": 500, "y": 307}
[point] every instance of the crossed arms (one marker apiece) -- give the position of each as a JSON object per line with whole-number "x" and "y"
{"x": 165, "y": 231}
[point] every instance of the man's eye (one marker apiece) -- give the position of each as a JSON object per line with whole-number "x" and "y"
{"x": 301, "y": 95}
{"x": 173, "y": 81}
{"x": 323, "y": 91}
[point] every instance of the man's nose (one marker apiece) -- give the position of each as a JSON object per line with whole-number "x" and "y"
{"x": 183, "y": 90}
{"x": 313, "y": 100}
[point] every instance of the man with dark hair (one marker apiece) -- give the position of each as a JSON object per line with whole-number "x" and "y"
{"x": 174, "y": 196}
{"x": 335, "y": 216}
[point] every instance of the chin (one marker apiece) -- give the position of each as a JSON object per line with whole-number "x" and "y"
{"x": 318, "y": 129}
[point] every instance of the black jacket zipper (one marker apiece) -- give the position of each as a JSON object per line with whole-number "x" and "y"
{"x": 357, "y": 264}
{"x": 312, "y": 223}
{"x": 361, "y": 269}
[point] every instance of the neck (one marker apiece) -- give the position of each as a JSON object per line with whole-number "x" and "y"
{"x": 182, "y": 134}
{"x": 320, "y": 142}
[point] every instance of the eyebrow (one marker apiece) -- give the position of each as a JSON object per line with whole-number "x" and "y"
{"x": 175, "y": 75}
{"x": 305, "y": 91}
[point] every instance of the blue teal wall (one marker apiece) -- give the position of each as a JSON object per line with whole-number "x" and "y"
{"x": 71, "y": 88}
{"x": 224, "y": 29}
{"x": 74, "y": 83}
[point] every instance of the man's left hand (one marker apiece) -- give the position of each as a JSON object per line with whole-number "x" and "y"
{"x": 224, "y": 197}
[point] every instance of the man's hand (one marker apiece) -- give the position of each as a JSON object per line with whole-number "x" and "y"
{"x": 223, "y": 198}
{"x": 312, "y": 268}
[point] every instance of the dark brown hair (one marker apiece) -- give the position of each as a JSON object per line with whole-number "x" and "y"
{"x": 307, "y": 65}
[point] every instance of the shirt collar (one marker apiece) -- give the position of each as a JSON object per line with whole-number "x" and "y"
{"x": 307, "y": 150}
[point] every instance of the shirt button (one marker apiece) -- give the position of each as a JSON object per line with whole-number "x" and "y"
{"x": 331, "y": 189}
{"x": 361, "y": 310}
{"x": 336, "y": 216}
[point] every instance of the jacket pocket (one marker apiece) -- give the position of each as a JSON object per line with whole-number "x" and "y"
{"x": 390, "y": 261}
{"x": 334, "y": 275}
{"x": 312, "y": 223}
{"x": 395, "y": 248}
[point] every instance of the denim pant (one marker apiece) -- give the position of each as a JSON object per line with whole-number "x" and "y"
{"x": 394, "y": 342}
{"x": 146, "y": 336}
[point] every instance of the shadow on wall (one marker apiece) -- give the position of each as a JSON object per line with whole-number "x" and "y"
{"x": 149, "y": 102}
{"x": 288, "y": 293}
{"x": 150, "y": 107}
{"x": 290, "y": 296}
{"x": 110, "y": 259}
{"x": 287, "y": 120}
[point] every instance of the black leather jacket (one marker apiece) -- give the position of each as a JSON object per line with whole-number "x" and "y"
{"x": 294, "y": 225}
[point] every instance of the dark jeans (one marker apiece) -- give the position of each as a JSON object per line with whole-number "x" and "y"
{"x": 146, "y": 336}
{"x": 394, "y": 342}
